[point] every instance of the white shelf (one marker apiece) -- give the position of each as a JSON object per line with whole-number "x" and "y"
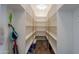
{"x": 52, "y": 35}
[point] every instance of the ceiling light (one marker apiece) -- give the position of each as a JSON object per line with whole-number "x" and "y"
{"x": 41, "y": 6}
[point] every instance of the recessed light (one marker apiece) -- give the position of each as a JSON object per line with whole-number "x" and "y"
{"x": 41, "y": 6}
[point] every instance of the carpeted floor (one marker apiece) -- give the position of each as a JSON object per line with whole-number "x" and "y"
{"x": 42, "y": 46}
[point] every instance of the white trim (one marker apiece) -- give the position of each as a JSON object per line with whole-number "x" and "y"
{"x": 29, "y": 45}
{"x": 52, "y": 43}
{"x": 29, "y": 39}
{"x": 53, "y": 47}
{"x": 28, "y": 36}
{"x": 52, "y": 35}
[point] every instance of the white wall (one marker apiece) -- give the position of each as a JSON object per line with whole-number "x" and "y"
{"x": 28, "y": 9}
{"x": 52, "y": 23}
{"x": 68, "y": 23}
{"x": 40, "y": 26}
{"x": 64, "y": 31}
{"x": 76, "y": 30}
{"x": 53, "y": 20}
{"x": 29, "y": 24}
{"x": 4, "y": 25}
{"x": 20, "y": 27}
{"x": 54, "y": 9}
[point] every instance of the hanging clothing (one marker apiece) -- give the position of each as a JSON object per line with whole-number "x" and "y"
{"x": 15, "y": 47}
{"x": 13, "y": 38}
{"x": 13, "y": 33}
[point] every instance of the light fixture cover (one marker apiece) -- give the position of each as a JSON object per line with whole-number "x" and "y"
{"x": 41, "y": 6}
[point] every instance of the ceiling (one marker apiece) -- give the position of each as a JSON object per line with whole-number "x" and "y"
{"x": 41, "y": 11}
{"x": 15, "y": 7}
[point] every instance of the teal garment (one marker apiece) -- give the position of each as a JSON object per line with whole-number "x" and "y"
{"x": 11, "y": 37}
{"x": 13, "y": 33}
